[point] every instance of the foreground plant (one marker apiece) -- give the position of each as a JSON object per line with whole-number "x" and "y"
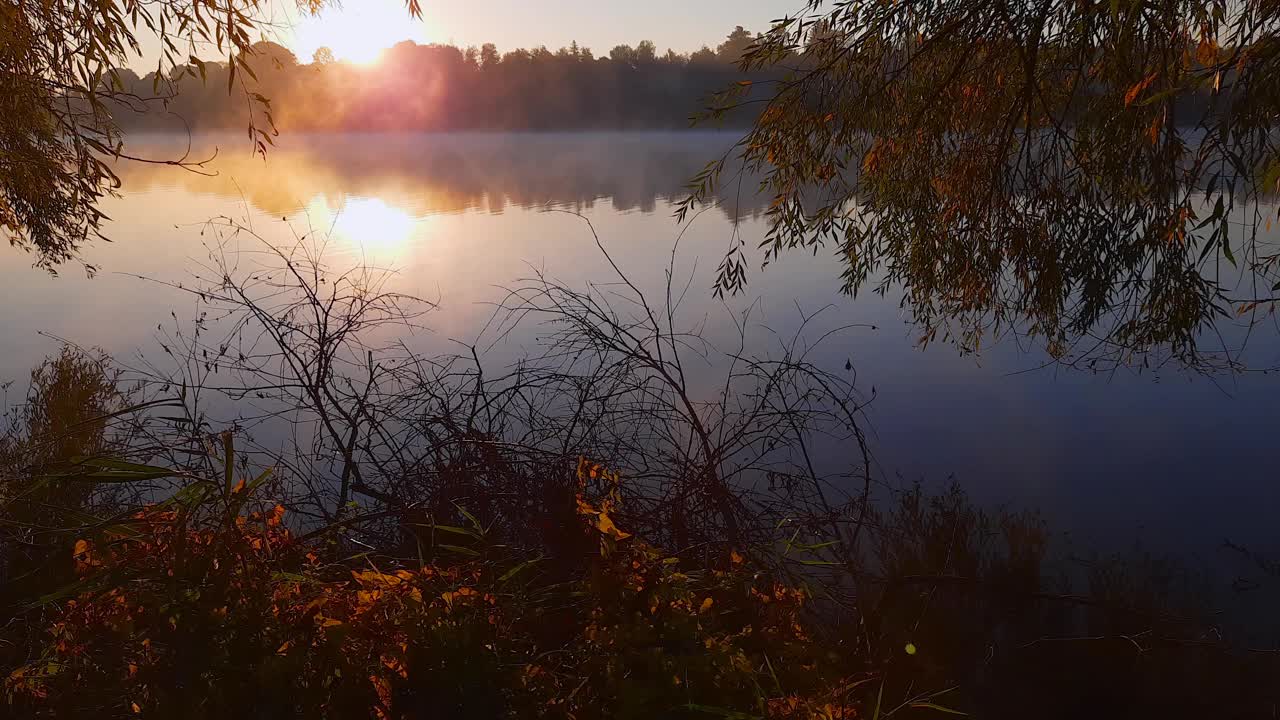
{"x": 203, "y": 608}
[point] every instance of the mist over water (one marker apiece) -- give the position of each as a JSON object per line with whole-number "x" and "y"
{"x": 1175, "y": 460}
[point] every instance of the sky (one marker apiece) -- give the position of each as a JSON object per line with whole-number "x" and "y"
{"x": 356, "y": 28}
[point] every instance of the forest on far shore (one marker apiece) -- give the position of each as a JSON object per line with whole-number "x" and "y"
{"x": 441, "y": 87}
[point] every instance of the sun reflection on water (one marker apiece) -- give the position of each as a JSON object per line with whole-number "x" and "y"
{"x": 367, "y": 226}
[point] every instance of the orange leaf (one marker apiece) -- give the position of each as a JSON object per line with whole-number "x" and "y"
{"x": 1207, "y": 51}
{"x": 1136, "y": 90}
{"x": 383, "y": 688}
{"x": 395, "y": 666}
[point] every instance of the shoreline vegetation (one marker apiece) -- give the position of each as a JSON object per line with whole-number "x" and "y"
{"x": 441, "y": 88}
{"x": 292, "y": 514}
{"x": 433, "y": 537}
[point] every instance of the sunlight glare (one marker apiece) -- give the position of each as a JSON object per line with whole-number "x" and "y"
{"x": 373, "y": 226}
{"x": 357, "y": 33}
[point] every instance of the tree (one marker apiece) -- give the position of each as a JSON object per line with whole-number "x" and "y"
{"x": 1074, "y": 170}
{"x": 270, "y": 54}
{"x": 702, "y": 56}
{"x": 324, "y": 56}
{"x": 60, "y": 88}
{"x": 646, "y": 52}
{"x": 489, "y": 57}
{"x": 624, "y": 54}
{"x": 64, "y": 420}
{"x": 733, "y": 48}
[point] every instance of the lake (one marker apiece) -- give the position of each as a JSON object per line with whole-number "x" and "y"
{"x": 1173, "y": 460}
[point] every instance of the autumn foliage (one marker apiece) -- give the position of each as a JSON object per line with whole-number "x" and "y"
{"x": 191, "y": 611}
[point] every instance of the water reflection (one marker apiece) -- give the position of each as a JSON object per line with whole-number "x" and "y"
{"x": 451, "y": 173}
{"x": 371, "y": 227}
{"x": 458, "y": 216}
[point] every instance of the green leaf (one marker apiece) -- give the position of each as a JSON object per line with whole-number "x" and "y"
{"x": 296, "y": 577}
{"x": 519, "y": 569}
{"x": 115, "y": 476}
{"x": 815, "y": 546}
{"x": 258, "y": 481}
{"x": 936, "y": 706}
{"x": 722, "y": 712}
{"x": 200, "y": 66}
{"x": 459, "y": 549}
{"x": 469, "y": 516}
{"x": 447, "y": 528}
{"x": 112, "y": 464}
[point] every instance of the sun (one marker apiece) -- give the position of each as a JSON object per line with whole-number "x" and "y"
{"x": 358, "y": 32}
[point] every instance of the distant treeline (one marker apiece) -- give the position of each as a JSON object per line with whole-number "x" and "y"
{"x": 441, "y": 87}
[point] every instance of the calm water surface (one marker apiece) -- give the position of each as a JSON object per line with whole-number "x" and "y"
{"x": 1172, "y": 460}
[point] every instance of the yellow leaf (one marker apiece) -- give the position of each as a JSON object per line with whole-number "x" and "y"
{"x": 373, "y": 577}
{"x": 136, "y": 710}
{"x": 734, "y": 557}
{"x": 706, "y": 605}
{"x": 605, "y": 525}
{"x": 284, "y": 648}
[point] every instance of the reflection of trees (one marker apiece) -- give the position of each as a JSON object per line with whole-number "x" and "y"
{"x": 44, "y": 443}
{"x": 426, "y": 174}
{"x": 1086, "y": 173}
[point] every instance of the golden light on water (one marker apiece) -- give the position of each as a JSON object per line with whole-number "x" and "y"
{"x": 370, "y": 227}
